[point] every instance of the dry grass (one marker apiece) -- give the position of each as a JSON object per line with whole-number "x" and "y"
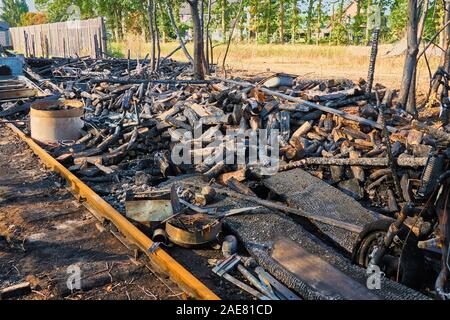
{"x": 304, "y": 60}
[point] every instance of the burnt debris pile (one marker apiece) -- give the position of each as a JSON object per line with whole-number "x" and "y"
{"x": 143, "y": 128}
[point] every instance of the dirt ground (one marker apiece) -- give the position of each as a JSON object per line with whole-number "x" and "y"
{"x": 306, "y": 61}
{"x": 45, "y": 235}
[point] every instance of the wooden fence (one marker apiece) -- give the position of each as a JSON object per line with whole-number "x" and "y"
{"x": 63, "y": 39}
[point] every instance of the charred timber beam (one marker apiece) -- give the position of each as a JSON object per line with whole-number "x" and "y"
{"x": 363, "y": 162}
{"x": 436, "y": 133}
{"x": 160, "y": 81}
{"x": 351, "y": 100}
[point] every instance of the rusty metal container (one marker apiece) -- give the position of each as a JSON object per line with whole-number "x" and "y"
{"x": 201, "y": 230}
{"x": 58, "y": 120}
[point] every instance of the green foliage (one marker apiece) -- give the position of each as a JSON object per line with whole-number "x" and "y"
{"x": 12, "y": 11}
{"x": 357, "y": 28}
{"x": 397, "y": 19}
{"x": 116, "y": 50}
{"x": 339, "y": 35}
{"x": 58, "y": 10}
{"x": 434, "y": 18}
{"x": 261, "y": 22}
{"x": 32, "y": 18}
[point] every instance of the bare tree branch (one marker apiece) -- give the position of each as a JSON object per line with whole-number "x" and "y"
{"x": 177, "y": 32}
{"x": 238, "y": 17}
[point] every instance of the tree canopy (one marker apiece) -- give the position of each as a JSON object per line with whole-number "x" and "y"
{"x": 12, "y": 11}
{"x": 264, "y": 21}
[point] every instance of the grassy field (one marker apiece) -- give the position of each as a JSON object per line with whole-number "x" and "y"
{"x": 305, "y": 60}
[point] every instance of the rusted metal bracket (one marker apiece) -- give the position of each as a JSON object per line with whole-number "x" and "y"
{"x": 182, "y": 277}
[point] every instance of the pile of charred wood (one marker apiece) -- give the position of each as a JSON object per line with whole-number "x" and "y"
{"x": 85, "y": 68}
{"x": 341, "y": 132}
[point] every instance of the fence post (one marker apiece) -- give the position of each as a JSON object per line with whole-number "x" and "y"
{"x": 96, "y": 46}
{"x": 25, "y": 37}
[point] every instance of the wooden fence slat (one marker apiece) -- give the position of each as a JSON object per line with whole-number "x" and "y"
{"x": 62, "y": 37}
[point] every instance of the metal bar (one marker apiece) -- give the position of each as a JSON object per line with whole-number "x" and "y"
{"x": 185, "y": 280}
{"x": 278, "y": 286}
{"x": 245, "y": 287}
{"x": 255, "y": 282}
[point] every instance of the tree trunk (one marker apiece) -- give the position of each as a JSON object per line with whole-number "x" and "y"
{"x": 421, "y": 23}
{"x": 282, "y": 21}
{"x": 177, "y": 31}
{"x": 358, "y": 21}
{"x": 202, "y": 18}
{"x": 447, "y": 40}
{"x": 120, "y": 24}
{"x": 116, "y": 34}
{"x": 295, "y": 15}
{"x": 150, "y": 8}
{"x": 253, "y": 25}
{"x": 207, "y": 36}
{"x": 202, "y": 31}
{"x": 236, "y": 21}
{"x": 445, "y": 62}
{"x": 411, "y": 104}
{"x": 223, "y": 20}
{"x": 411, "y": 56}
{"x": 164, "y": 29}
{"x": 199, "y": 57}
{"x": 369, "y": 3}
{"x": 158, "y": 45}
{"x": 442, "y": 43}
{"x": 309, "y": 21}
{"x": 319, "y": 16}
{"x": 268, "y": 4}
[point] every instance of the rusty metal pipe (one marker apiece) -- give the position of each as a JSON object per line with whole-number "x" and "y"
{"x": 390, "y": 235}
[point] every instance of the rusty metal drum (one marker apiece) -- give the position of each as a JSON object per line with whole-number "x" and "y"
{"x": 57, "y": 120}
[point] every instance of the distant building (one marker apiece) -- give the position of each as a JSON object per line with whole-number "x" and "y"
{"x": 185, "y": 17}
{"x": 185, "y": 13}
{"x": 350, "y": 12}
{"x": 5, "y": 38}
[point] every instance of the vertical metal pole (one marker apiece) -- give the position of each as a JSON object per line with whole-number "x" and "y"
{"x": 47, "y": 47}
{"x": 96, "y": 47}
{"x": 64, "y": 47}
{"x": 25, "y": 37}
{"x": 373, "y": 59}
{"x": 33, "y": 44}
